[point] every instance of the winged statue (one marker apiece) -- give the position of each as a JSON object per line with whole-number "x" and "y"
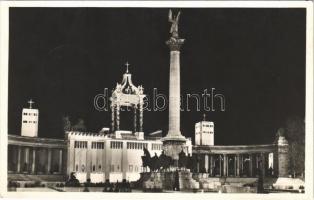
{"x": 174, "y": 20}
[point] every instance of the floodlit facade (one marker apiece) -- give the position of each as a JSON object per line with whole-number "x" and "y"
{"x": 113, "y": 157}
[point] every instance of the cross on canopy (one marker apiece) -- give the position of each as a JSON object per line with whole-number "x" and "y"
{"x": 127, "y": 66}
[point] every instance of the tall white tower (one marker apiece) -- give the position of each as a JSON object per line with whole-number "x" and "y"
{"x": 204, "y": 132}
{"x": 30, "y": 121}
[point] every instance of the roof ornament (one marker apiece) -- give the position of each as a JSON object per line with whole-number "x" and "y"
{"x": 127, "y": 67}
{"x": 140, "y": 89}
{"x": 127, "y": 86}
{"x": 30, "y": 103}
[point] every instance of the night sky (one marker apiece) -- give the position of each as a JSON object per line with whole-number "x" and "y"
{"x": 63, "y": 57}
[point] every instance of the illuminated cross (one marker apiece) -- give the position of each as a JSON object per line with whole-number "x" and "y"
{"x": 127, "y": 66}
{"x": 30, "y": 103}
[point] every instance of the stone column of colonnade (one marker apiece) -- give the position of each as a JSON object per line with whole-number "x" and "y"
{"x": 48, "y": 161}
{"x": 23, "y": 159}
{"x": 251, "y": 165}
{"x": 238, "y": 164}
{"x": 211, "y": 169}
{"x": 225, "y": 167}
{"x": 34, "y": 160}
{"x": 60, "y": 161}
{"x": 26, "y": 158}
{"x": 18, "y": 169}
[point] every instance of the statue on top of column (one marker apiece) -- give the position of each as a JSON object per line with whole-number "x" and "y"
{"x": 174, "y": 27}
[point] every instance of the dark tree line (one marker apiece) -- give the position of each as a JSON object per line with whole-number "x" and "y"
{"x": 295, "y": 133}
{"x": 78, "y": 126}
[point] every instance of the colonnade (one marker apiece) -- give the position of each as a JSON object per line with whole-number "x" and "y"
{"x": 235, "y": 165}
{"x": 35, "y": 160}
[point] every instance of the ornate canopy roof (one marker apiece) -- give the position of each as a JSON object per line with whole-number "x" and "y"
{"x": 126, "y": 92}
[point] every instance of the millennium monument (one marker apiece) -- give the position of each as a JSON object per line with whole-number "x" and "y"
{"x": 174, "y": 142}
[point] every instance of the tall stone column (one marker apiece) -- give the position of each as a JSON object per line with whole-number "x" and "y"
{"x": 174, "y": 142}
{"x": 18, "y": 168}
{"x": 174, "y": 87}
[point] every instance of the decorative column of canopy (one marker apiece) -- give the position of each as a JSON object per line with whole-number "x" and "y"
{"x": 113, "y": 107}
{"x": 135, "y": 118}
{"x": 117, "y": 117}
{"x": 127, "y": 94}
{"x": 141, "y": 117}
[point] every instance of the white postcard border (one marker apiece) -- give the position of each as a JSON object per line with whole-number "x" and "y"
{"x": 4, "y": 38}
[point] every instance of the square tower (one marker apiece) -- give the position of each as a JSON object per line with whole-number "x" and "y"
{"x": 204, "y": 133}
{"x": 30, "y": 121}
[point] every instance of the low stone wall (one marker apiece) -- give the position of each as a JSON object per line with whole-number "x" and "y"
{"x": 153, "y": 183}
{"x": 186, "y": 182}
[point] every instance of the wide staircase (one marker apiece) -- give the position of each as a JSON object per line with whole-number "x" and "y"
{"x": 219, "y": 183}
{"x": 41, "y": 178}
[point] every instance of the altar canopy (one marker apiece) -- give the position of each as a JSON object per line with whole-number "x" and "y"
{"x": 128, "y": 95}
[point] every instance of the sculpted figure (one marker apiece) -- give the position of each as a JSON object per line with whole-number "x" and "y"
{"x": 174, "y": 27}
